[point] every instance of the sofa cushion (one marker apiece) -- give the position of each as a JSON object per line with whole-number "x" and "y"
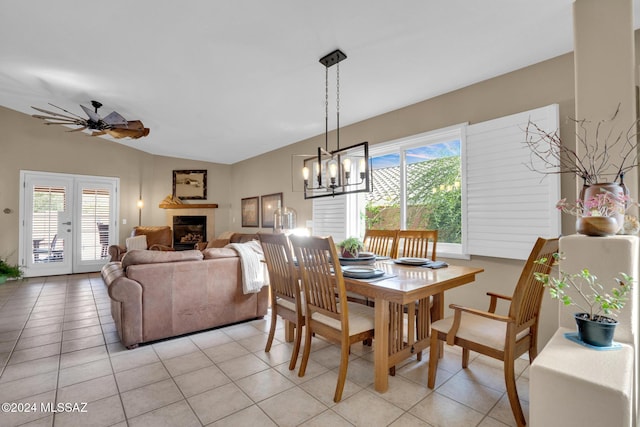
{"x": 137, "y": 242}
{"x": 218, "y": 243}
{"x": 213, "y": 253}
{"x": 153, "y": 257}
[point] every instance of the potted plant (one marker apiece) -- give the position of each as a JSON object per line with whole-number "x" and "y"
{"x": 350, "y": 247}
{"x": 597, "y": 216}
{"x": 9, "y": 271}
{"x": 596, "y": 304}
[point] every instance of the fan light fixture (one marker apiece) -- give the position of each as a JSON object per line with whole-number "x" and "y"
{"x": 341, "y": 171}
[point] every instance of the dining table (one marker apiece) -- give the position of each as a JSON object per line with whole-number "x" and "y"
{"x": 401, "y": 286}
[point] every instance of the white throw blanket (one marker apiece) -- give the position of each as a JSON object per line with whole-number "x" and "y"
{"x": 253, "y": 269}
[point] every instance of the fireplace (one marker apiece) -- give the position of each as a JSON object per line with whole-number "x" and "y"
{"x": 188, "y": 230}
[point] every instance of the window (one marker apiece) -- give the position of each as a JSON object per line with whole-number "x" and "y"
{"x": 417, "y": 184}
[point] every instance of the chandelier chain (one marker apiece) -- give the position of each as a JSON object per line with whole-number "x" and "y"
{"x": 326, "y": 108}
{"x": 338, "y": 105}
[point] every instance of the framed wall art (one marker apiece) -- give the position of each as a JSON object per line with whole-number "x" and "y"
{"x": 190, "y": 184}
{"x": 269, "y": 205}
{"x": 250, "y": 212}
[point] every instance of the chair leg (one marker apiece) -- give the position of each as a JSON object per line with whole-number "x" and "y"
{"x": 296, "y": 349}
{"x": 342, "y": 374}
{"x": 512, "y": 392}
{"x": 272, "y": 329}
{"x": 465, "y": 358}
{"x": 433, "y": 359}
{"x": 306, "y": 352}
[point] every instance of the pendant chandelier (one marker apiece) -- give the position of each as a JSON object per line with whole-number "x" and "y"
{"x": 343, "y": 170}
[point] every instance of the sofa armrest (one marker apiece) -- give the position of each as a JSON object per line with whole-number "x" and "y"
{"x": 117, "y": 252}
{"x": 126, "y": 295}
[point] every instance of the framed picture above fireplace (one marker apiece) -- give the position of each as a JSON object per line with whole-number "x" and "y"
{"x": 250, "y": 212}
{"x": 269, "y": 204}
{"x": 190, "y": 184}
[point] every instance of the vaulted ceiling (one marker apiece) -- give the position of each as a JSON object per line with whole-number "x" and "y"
{"x": 224, "y": 81}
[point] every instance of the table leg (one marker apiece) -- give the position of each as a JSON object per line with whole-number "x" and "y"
{"x": 289, "y": 331}
{"x": 437, "y": 314}
{"x": 381, "y": 345}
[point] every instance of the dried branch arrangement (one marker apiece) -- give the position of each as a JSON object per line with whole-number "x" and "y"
{"x": 601, "y": 155}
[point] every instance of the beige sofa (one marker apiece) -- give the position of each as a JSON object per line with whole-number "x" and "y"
{"x": 156, "y": 294}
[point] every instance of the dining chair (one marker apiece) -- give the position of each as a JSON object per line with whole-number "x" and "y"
{"x": 325, "y": 314}
{"x": 418, "y": 244}
{"x": 381, "y": 242}
{"x": 285, "y": 291}
{"x": 501, "y": 337}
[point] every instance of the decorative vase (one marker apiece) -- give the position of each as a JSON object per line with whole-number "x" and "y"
{"x": 598, "y": 333}
{"x": 597, "y": 225}
{"x": 620, "y": 190}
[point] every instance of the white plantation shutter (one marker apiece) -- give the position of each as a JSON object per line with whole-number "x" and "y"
{"x": 329, "y": 217}
{"x": 508, "y": 205}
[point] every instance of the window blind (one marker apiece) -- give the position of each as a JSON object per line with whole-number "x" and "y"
{"x": 329, "y": 217}
{"x": 508, "y": 205}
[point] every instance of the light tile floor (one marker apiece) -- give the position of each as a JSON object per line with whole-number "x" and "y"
{"x": 58, "y": 345}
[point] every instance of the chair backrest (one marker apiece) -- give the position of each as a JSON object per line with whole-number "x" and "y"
{"x": 156, "y": 234}
{"x": 321, "y": 277}
{"x": 527, "y": 297}
{"x": 417, "y": 243}
{"x": 283, "y": 277}
{"x": 382, "y": 242}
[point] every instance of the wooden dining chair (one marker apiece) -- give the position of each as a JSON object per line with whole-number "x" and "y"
{"x": 418, "y": 244}
{"x": 381, "y": 242}
{"x": 500, "y": 337}
{"x": 285, "y": 291}
{"x": 327, "y": 315}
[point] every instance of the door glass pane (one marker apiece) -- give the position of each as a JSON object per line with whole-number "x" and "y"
{"x": 48, "y": 205}
{"x": 433, "y": 190}
{"x": 94, "y": 227}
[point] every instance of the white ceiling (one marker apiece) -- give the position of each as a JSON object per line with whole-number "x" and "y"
{"x": 224, "y": 81}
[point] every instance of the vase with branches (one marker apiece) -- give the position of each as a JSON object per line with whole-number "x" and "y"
{"x": 602, "y": 154}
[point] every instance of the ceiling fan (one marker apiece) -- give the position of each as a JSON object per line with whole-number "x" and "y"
{"x": 113, "y": 124}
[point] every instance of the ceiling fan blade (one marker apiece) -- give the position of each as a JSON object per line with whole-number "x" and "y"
{"x": 99, "y": 133}
{"x": 53, "y": 113}
{"x": 115, "y": 119}
{"x": 93, "y": 116}
{"x": 78, "y": 130}
{"x": 58, "y": 119}
{"x": 128, "y": 133}
{"x": 68, "y": 112}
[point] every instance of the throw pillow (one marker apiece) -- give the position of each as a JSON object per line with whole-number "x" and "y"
{"x": 137, "y": 242}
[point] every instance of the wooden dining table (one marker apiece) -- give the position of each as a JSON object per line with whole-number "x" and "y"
{"x": 403, "y": 285}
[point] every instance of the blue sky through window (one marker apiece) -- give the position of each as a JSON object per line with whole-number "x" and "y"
{"x": 420, "y": 154}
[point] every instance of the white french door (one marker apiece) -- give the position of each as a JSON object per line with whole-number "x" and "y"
{"x": 68, "y": 222}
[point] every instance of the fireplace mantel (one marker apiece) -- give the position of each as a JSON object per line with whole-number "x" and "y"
{"x": 188, "y": 206}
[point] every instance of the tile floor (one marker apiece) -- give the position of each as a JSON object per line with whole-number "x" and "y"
{"x": 58, "y": 345}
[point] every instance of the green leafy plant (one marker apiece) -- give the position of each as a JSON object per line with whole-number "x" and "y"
{"x": 9, "y": 270}
{"x": 594, "y": 300}
{"x": 351, "y": 245}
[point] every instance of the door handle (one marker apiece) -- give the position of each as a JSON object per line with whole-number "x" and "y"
{"x": 66, "y": 223}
